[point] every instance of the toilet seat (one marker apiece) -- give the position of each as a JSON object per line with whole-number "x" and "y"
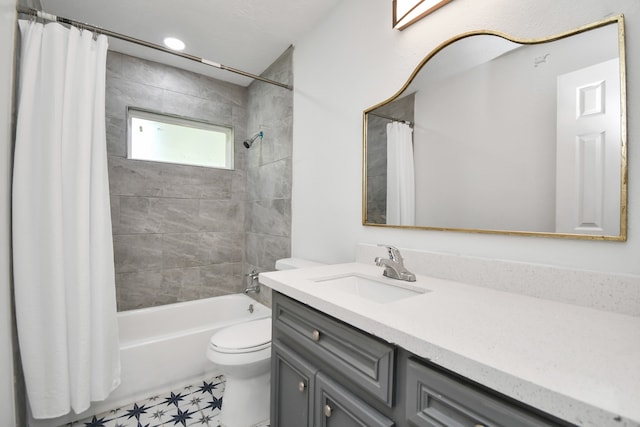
{"x": 246, "y": 337}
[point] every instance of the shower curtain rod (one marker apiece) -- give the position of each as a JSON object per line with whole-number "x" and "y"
{"x": 393, "y": 119}
{"x": 50, "y": 17}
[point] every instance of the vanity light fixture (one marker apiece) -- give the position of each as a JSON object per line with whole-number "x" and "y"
{"x": 174, "y": 43}
{"x": 406, "y": 12}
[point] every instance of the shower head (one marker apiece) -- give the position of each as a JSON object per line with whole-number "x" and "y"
{"x": 249, "y": 142}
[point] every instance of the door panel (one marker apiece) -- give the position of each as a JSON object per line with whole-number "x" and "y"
{"x": 588, "y": 151}
{"x": 292, "y": 389}
{"x": 337, "y": 407}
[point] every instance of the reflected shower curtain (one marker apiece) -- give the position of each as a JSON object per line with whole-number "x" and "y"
{"x": 62, "y": 244}
{"x": 400, "y": 175}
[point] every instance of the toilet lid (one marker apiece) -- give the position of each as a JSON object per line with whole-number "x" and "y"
{"x": 244, "y": 337}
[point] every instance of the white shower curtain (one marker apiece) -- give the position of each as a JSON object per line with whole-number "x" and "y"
{"x": 62, "y": 244}
{"x": 400, "y": 175}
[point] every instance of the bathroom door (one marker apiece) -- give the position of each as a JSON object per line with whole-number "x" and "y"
{"x": 588, "y": 150}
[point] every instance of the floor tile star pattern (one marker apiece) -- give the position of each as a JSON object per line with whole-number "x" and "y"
{"x": 194, "y": 405}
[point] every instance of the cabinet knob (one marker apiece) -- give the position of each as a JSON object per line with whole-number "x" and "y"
{"x": 301, "y": 386}
{"x": 327, "y": 411}
{"x": 315, "y": 335}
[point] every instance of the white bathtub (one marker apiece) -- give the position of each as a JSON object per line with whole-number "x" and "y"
{"x": 164, "y": 347}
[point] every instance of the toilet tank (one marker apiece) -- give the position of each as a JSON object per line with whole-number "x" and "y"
{"x": 293, "y": 263}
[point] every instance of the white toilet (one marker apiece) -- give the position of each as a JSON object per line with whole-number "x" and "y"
{"x": 242, "y": 352}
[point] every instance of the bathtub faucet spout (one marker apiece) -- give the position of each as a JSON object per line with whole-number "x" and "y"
{"x": 254, "y": 285}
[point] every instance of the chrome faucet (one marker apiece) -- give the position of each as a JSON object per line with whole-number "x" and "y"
{"x": 394, "y": 265}
{"x": 254, "y": 285}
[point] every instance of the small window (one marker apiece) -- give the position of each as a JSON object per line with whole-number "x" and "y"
{"x": 171, "y": 139}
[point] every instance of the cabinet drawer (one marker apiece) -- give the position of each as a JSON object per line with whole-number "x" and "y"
{"x": 364, "y": 360}
{"x": 336, "y": 407}
{"x": 435, "y": 399}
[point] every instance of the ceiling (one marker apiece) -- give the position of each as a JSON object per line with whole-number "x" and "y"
{"x": 244, "y": 34}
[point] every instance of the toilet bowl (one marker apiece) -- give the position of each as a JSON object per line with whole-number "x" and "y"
{"x": 243, "y": 355}
{"x": 242, "y": 352}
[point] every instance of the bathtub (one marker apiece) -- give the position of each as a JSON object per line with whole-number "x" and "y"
{"x": 164, "y": 347}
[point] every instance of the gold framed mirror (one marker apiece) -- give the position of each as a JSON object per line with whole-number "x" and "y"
{"x": 494, "y": 134}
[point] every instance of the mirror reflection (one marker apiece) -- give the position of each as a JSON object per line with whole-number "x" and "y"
{"x": 492, "y": 134}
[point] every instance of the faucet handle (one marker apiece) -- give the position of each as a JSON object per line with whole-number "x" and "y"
{"x": 254, "y": 285}
{"x": 394, "y": 253}
{"x": 254, "y": 275}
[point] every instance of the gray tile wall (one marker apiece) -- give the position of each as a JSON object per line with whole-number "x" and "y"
{"x": 178, "y": 231}
{"x": 268, "y": 212}
{"x": 402, "y": 109}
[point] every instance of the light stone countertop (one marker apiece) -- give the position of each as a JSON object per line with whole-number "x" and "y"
{"x": 577, "y": 363}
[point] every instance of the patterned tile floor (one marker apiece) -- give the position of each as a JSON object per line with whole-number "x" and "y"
{"x": 194, "y": 405}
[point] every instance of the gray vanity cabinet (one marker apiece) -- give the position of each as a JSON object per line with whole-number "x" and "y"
{"x": 329, "y": 374}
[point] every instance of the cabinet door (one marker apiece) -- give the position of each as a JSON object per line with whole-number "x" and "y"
{"x": 292, "y": 388}
{"x": 337, "y": 407}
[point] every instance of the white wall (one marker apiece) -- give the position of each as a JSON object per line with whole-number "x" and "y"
{"x": 353, "y": 60}
{"x": 7, "y": 27}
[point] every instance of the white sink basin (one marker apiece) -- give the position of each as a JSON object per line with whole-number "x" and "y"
{"x": 365, "y": 287}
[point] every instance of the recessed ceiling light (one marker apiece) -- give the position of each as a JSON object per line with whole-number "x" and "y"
{"x": 174, "y": 43}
